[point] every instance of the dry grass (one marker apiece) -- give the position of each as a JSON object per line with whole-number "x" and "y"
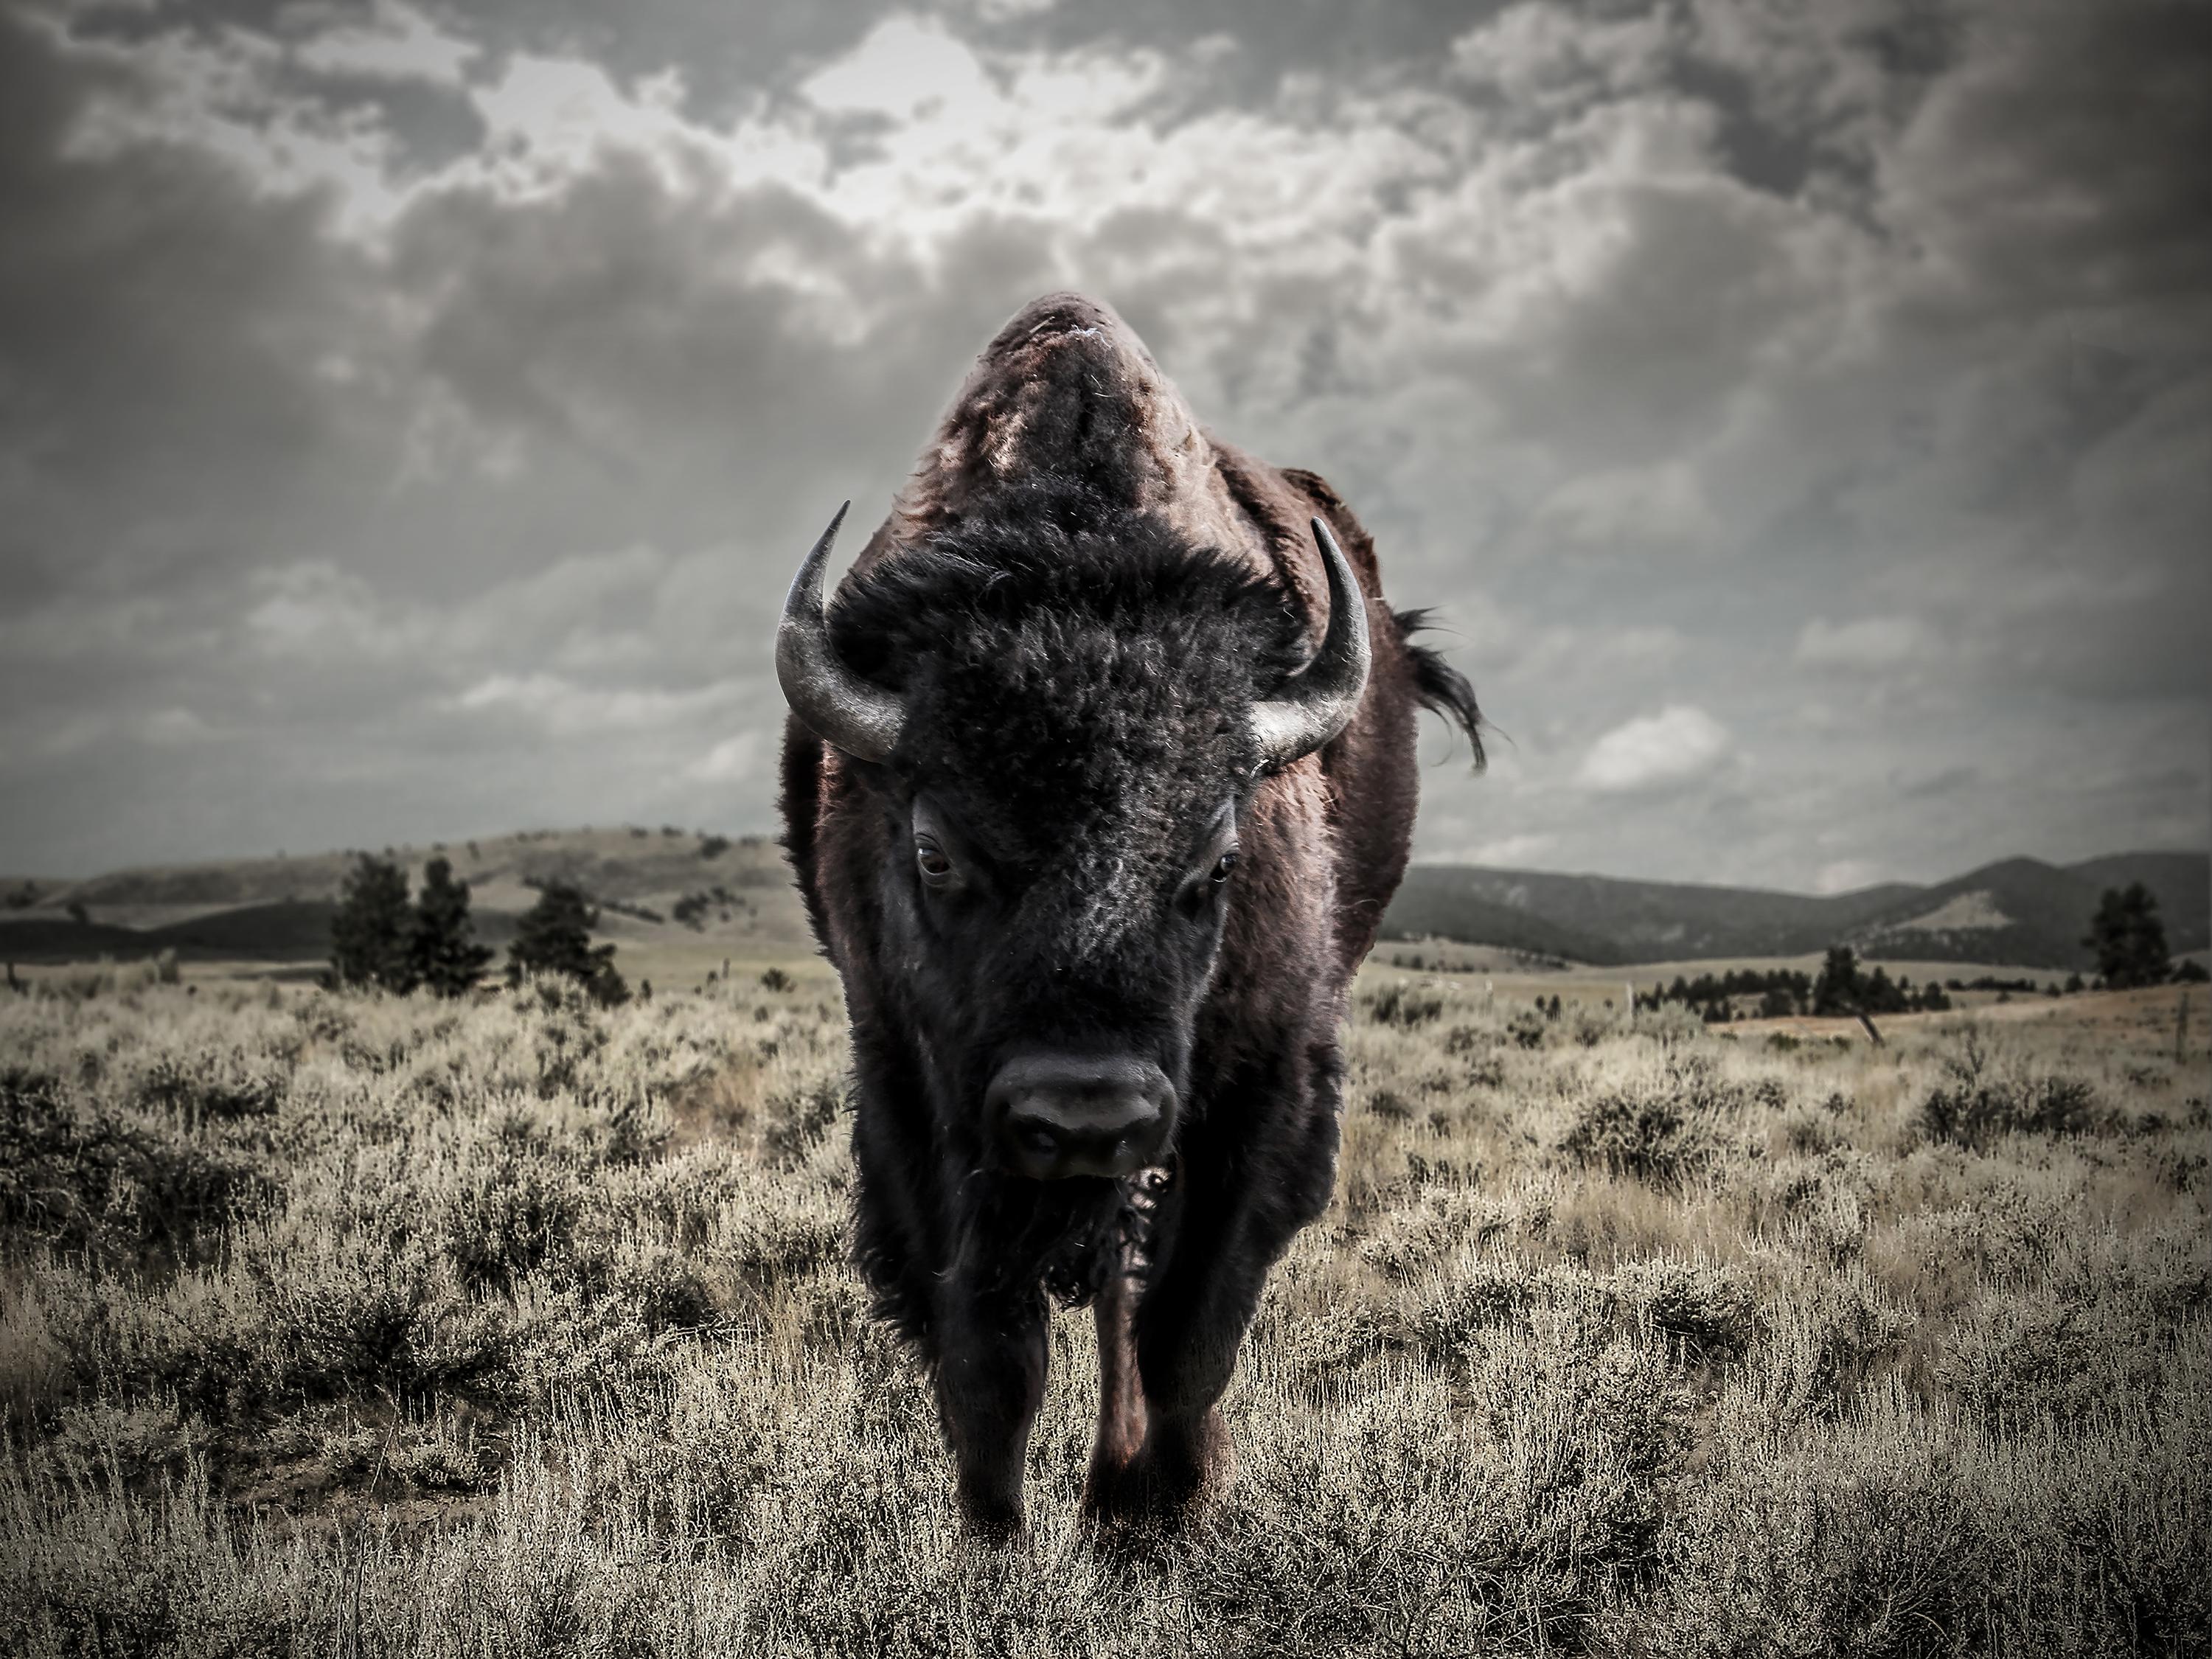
{"x": 357, "y": 1326}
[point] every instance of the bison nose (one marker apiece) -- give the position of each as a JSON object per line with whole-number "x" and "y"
{"x": 1066, "y": 1115}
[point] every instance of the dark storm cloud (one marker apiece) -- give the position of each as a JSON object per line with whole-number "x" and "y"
{"x": 160, "y": 325}
{"x": 408, "y": 415}
{"x": 616, "y": 323}
{"x": 729, "y": 58}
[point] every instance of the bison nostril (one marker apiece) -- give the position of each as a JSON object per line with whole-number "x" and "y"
{"x": 1054, "y": 1116}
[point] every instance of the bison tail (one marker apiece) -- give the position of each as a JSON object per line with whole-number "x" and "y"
{"x": 1439, "y": 687}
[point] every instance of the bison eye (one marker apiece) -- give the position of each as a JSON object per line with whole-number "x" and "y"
{"x": 929, "y": 859}
{"x": 1223, "y": 866}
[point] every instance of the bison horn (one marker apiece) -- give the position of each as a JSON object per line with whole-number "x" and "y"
{"x": 1320, "y": 702}
{"x": 837, "y": 705}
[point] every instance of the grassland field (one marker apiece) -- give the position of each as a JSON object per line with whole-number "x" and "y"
{"x": 347, "y": 1324}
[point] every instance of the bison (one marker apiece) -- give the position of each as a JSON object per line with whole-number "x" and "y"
{"x": 1098, "y": 774}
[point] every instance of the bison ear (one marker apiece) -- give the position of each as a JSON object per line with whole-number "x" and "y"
{"x": 838, "y": 706}
{"x": 1320, "y": 702}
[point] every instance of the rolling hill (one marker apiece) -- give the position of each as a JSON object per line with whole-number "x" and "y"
{"x": 278, "y": 910}
{"x": 2018, "y": 911}
{"x": 1604, "y": 919}
{"x": 2182, "y": 881}
{"x": 1447, "y": 905}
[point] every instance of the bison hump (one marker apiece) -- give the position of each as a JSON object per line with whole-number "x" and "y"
{"x": 1066, "y": 394}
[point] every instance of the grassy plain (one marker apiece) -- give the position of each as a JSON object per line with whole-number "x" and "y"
{"x": 362, "y": 1326}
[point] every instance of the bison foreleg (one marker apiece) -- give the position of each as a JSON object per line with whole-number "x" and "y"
{"x": 1121, "y": 1395}
{"x": 1187, "y": 1351}
{"x": 990, "y": 1367}
{"x": 1187, "y": 1330}
{"x": 1229, "y": 1227}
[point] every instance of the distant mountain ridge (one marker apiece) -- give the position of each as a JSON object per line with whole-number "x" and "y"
{"x": 2017, "y": 911}
{"x": 737, "y": 889}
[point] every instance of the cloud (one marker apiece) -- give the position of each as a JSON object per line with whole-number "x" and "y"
{"x": 1638, "y": 508}
{"x": 1869, "y": 644}
{"x": 401, "y": 44}
{"x": 564, "y": 708}
{"x": 70, "y": 734}
{"x": 1655, "y": 751}
{"x": 1845, "y": 876}
{"x": 317, "y": 611}
{"x": 1713, "y": 358}
{"x": 171, "y": 727}
{"x": 907, "y": 70}
{"x": 2025, "y": 183}
{"x": 1948, "y": 781}
{"x": 1545, "y": 59}
{"x": 733, "y": 760}
{"x": 1511, "y": 849}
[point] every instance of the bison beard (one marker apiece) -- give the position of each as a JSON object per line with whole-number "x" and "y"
{"x": 1096, "y": 796}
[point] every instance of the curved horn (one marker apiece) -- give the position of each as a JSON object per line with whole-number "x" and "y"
{"x": 838, "y": 706}
{"x": 1320, "y": 702}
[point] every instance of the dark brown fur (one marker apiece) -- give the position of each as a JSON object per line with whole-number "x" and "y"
{"x": 1067, "y": 435}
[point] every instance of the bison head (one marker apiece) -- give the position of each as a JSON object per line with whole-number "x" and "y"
{"x": 1060, "y": 729}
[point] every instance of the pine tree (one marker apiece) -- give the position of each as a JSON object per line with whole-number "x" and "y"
{"x": 2128, "y": 939}
{"x": 556, "y": 938}
{"x": 372, "y": 934}
{"x": 447, "y": 958}
{"x": 1837, "y": 989}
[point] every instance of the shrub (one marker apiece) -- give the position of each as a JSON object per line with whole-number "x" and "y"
{"x": 797, "y": 1120}
{"x": 1819, "y": 1341}
{"x": 209, "y": 1086}
{"x": 1981, "y": 1103}
{"x": 509, "y": 1296}
{"x": 371, "y": 1316}
{"x": 1402, "y": 1004}
{"x": 1707, "y": 1312}
{"x": 508, "y": 1219}
{"x": 1653, "y": 1135}
{"x": 86, "y": 1177}
{"x": 2016, "y": 1356}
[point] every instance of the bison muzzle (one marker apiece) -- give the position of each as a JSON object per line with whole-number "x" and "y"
{"x": 1053, "y": 1116}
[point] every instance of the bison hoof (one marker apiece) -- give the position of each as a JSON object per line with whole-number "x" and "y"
{"x": 994, "y": 1522}
{"x": 1176, "y": 1474}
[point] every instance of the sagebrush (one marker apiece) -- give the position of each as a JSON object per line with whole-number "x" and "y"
{"x": 524, "y": 1326}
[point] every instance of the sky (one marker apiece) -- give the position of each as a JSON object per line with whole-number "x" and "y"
{"x": 1798, "y": 417}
